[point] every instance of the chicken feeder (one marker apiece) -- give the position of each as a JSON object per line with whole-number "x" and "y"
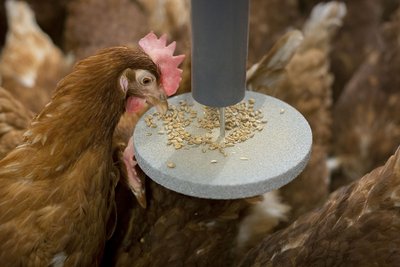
{"x": 269, "y": 160}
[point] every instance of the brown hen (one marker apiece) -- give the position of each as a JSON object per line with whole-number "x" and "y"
{"x": 57, "y": 203}
{"x": 366, "y": 116}
{"x": 308, "y": 88}
{"x": 357, "y": 226}
{"x": 178, "y": 231}
{"x": 30, "y": 64}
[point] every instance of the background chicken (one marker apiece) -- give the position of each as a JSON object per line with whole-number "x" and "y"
{"x": 307, "y": 86}
{"x": 367, "y": 121}
{"x": 30, "y": 64}
{"x": 50, "y": 16}
{"x": 357, "y": 226}
{"x": 355, "y": 39}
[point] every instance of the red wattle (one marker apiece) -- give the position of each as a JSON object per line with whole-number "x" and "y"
{"x": 134, "y": 104}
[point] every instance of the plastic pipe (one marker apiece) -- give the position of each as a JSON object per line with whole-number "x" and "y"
{"x": 219, "y": 51}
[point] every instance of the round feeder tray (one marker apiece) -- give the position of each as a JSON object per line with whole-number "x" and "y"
{"x": 269, "y": 160}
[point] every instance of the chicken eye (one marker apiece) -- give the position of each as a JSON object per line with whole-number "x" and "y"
{"x": 146, "y": 80}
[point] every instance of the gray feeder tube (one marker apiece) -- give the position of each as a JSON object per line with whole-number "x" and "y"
{"x": 219, "y": 51}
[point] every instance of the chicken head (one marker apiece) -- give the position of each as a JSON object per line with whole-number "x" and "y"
{"x": 141, "y": 86}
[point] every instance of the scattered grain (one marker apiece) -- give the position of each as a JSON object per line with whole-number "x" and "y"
{"x": 241, "y": 124}
{"x": 178, "y": 146}
{"x": 171, "y": 165}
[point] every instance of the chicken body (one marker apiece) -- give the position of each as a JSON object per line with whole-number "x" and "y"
{"x": 357, "y": 226}
{"x": 57, "y": 187}
{"x": 174, "y": 230}
{"x": 308, "y": 88}
{"x": 366, "y": 116}
{"x": 61, "y": 218}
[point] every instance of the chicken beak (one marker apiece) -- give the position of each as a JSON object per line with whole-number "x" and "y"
{"x": 162, "y": 107}
{"x": 140, "y": 196}
{"x": 159, "y": 101}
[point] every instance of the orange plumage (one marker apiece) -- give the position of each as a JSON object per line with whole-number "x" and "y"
{"x": 57, "y": 188}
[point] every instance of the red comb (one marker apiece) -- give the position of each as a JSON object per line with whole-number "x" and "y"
{"x": 163, "y": 56}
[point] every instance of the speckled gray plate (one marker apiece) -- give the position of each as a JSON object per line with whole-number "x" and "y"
{"x": 276, "y": 155}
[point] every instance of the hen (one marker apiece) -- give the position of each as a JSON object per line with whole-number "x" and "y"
{"x": 57, "y": 196}
{"x": 308, "y": 88}
{"x": 30, "y": 64}
{"x": 366, "y": 116}
{"x": 357, "y": 226}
